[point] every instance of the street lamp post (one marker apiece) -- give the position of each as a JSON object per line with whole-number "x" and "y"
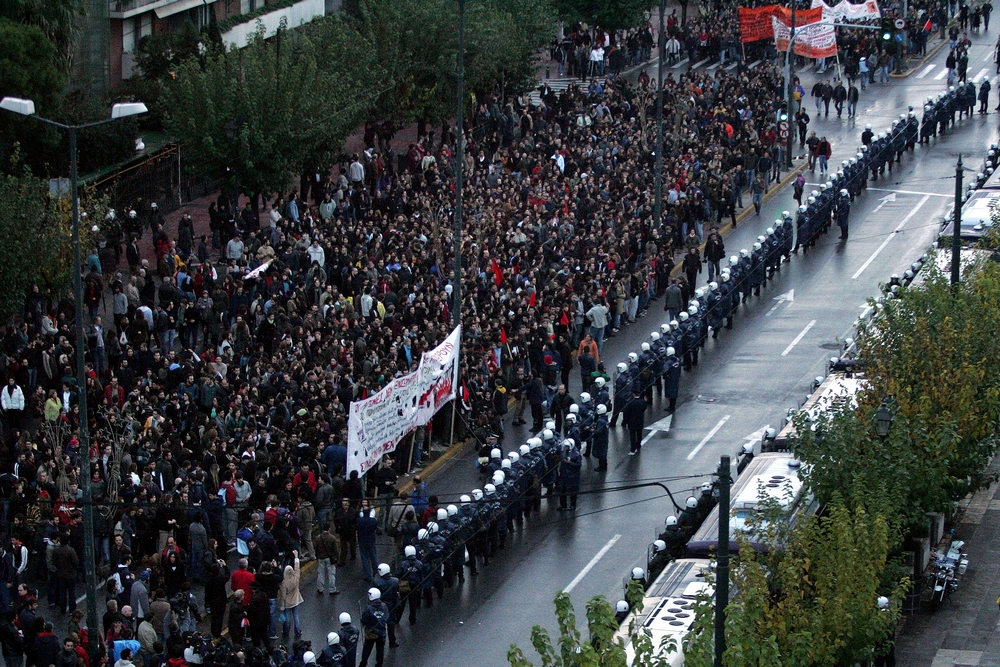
{"x": 956, "y": 232}
{"x": 26, "y": 107}
{"x": 456, "y": 287}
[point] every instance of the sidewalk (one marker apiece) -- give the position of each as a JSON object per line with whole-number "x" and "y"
{"x": 965, "y": 631}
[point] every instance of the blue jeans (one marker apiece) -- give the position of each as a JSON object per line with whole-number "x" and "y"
{"x": 292, "y": 615}
{"x": 598, "y": 334}
{"x": 272, "y": 604}
{"x": 369, "y": 559}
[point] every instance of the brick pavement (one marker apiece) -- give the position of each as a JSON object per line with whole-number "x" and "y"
{"x": 965, "y": 631}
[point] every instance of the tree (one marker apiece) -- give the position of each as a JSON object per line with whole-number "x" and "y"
{"x": 610, "y": 15}
{"x": 417, "y": 47}
{"x": 252, "y": 117}
{"x": 811, "y": 602}
{"x": 35, "y": 238}
{"x": 601, "y": 649}
{"x": 57, "y": 19}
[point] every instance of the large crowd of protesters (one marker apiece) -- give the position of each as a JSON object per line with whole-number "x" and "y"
{"x": 217, "y": 396}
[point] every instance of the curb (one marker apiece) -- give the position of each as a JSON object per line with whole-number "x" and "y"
{"x": 743, "y": 215}
{"x": 930, "y": 54}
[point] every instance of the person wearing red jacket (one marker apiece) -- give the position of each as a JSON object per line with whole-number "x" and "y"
{"x": 241, "y": 581}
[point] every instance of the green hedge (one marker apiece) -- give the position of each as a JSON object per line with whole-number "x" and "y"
{"x": 233, "y": 21}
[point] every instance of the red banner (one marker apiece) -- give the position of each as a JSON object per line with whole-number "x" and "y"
{"x": 755, "y": 23}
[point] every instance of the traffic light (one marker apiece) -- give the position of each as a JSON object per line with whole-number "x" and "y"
{"x": 887, "y": 29}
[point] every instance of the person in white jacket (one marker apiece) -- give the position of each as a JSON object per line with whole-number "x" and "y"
{"x": 12, "y": 401}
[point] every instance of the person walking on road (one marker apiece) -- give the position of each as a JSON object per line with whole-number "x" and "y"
{"x": 327, "y": 557}
{"x": 824, "y": 150}
{"x": 375, "y": 623}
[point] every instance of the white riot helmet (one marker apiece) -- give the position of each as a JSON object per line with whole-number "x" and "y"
{"x": 569, "y": 442}
{"x": 693, "y": 310}
{"x": 828, "y": 185}
{"x": 756, "y": 246}
{"x": 786, "y": 215}
{"x": 761, "y": 238}
{"x": 814, "y": 193}
{"x": 573, "y": 409}
{"x": 423, "y": 533}
{"x": 452, "y": 510}
{"x": 845, "y": 193}
{"x": 309, "y": 658}
{"x": 571, "y": 418}
{"x": 694, "y": 303}
{"x": 706, "y": 487}
{"x": 332, "y": 638}
{"x": 346, "y": 618}
{"x": 602, "y": 409}
{"x": 811, "y": 200}
{"x": 770, "y": 230}
{"x": 713, "y": 286}
{"x": 534, "y": 443}
{"x": 514, "y": 456}
{"x": 684, "y": 316}
{"x": 665, "y": 327}
{"x": 691, "y": 502}
{"x": 373, "y": 594}
{"x": 803, "y": 208}
{"x": 600, "y": 382}
{"x": 477, "y": 494}
{"x": 465, "y": 499}
{"x": 659, "y": 545}
{"x": 671, "y": 520}
{"x": 744, "y": 253}
{"x": 550, "y": 425}
{"x": 671, "y": 351}
{"x": 674, "y": 324}
{"x": 504, "y": 465}
{"x": 490, "y": 489}
{"x": 655, "y": 336}
{"x": 585, "y": 397}
{"x": 524, "y": 449}
{"x": 638, "y": 573}
{"x": 499, "y": 477}
{"x": 868, "y": 126}
{"x": 621, "y": 607}
{"x": 734, "y": 260}
{"x": 442, "y": 513}
{"x": 725, "y": 276}
{"x": 548, "y": 434}
{"x": 383, "y": 569}
{"x": 622, "y": 367}
{"x": 645, "y": 347}
{"x": 495, "y": 453}
{"x": 633, "y": 357}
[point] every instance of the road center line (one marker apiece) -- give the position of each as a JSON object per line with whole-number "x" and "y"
{"x": 708, "y": 437}
{"x": 590, "y": 566}
{"x": 889, "y": 237}
{"x": 801, "y": 335}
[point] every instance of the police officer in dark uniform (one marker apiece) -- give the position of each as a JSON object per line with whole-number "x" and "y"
{"x": 843, "y": 211}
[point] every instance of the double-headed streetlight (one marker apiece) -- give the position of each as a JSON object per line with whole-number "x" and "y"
{"x": 26, "y": 107}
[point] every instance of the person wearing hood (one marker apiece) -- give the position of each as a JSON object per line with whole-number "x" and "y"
{"x": 290, "y": 599}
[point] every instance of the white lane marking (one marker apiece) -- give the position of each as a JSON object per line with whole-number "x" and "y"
{"x": 700, "y": 63}
{"x": 708, "y": 437}
{"x": 889, "y": 237}
{"x": 942, "y": 74}
{"x": 801, "y": 335}
{"x": 988, "y": 57}
{"x": 679, "y": 64}
{"x": 753, "y": 64}
{"x": 662, "y": 426}
{"x": 927, "y": 70}
{"x": 912, "y": 192}
{"x": 590, "y": 566}
{"x": 983, "y": 72}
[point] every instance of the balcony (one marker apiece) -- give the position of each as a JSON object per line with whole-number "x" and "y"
{"x": 295, "y": 15}
{"x": 123, "y": 9}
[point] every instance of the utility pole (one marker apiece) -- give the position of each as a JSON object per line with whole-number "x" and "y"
{"x": 790, "y": 88}
{"x": 722, "y": 564}
{"x": 662, "y": 45}
{"x": 956, "y": 236}
{"x": 460, "y": 169}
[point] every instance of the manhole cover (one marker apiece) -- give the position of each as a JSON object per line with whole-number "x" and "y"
{"x": 706, "y": 399}
{"x": 830, "y": 346}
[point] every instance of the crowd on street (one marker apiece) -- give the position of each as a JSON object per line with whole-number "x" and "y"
{"x": 220, "y": 369}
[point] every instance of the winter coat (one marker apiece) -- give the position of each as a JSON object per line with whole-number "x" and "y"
{"x": 288, "y": 594}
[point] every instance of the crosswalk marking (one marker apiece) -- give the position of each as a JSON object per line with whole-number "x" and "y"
{"x": 942, "y": 74}
{"x": 700, "y": 63}
{"x": 679, "y": 64}
{"x": 927, "y": 70}
{"x": 753, "y": 64}
{"x": 983, "y": 72}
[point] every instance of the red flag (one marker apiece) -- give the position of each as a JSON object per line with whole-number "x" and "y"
{"x": 564, "y": 320}
{"x": 503, "y": 335}
{"x": 497, "y": 273}
{"x": 531, "y": 301}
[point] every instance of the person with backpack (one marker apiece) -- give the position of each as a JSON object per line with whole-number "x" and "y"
{"x": 410, "y": 575}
